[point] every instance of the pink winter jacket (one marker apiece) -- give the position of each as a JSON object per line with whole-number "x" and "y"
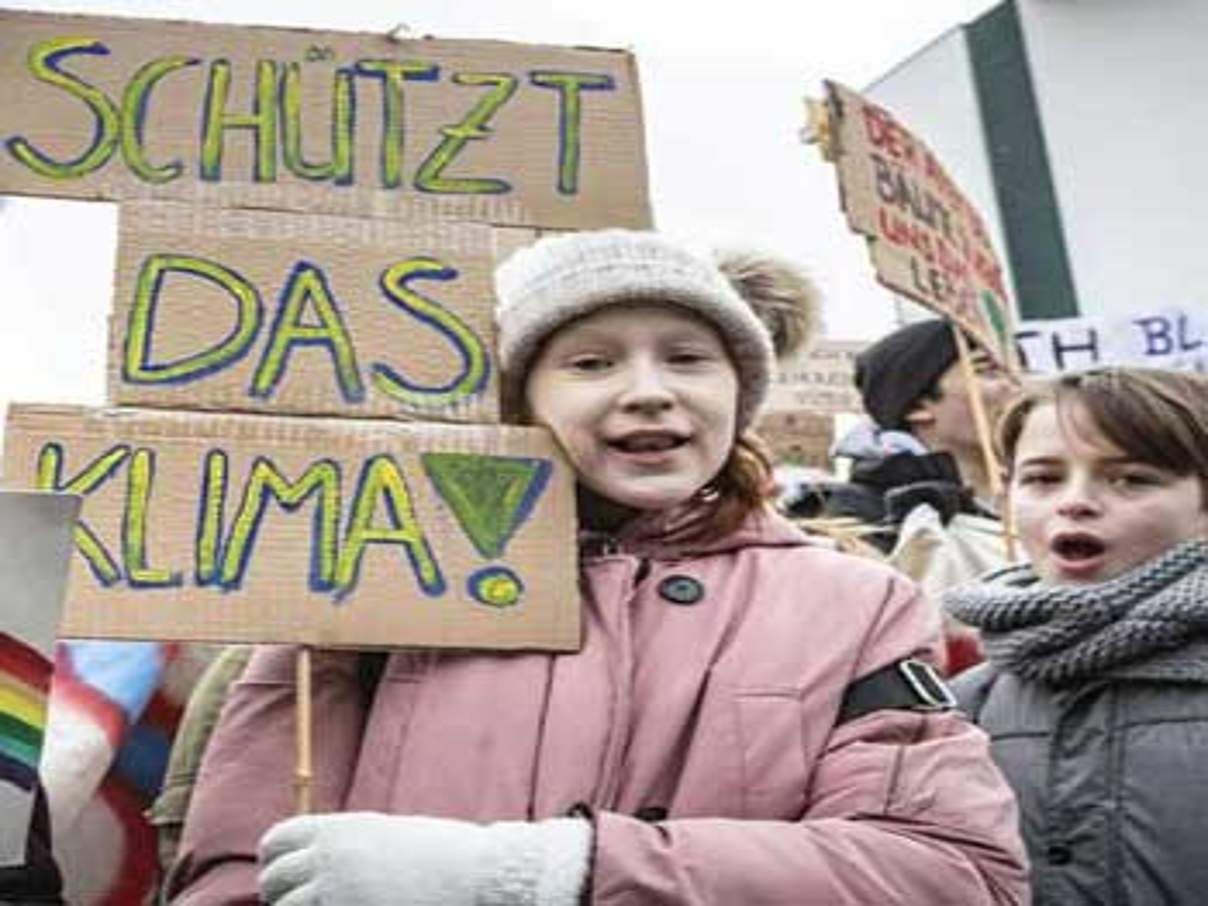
{"x": 701, "y": 735}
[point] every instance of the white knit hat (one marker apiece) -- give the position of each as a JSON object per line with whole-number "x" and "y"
{"x": 543, "y": 286}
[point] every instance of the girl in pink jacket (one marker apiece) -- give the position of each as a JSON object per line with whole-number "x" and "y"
{"x": 746, "y": 722}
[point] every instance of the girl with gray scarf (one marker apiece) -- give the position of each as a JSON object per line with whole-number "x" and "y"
{"x": 1095, "y": 692}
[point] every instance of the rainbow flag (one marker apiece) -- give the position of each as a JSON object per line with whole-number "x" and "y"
{"x": 35, "y": 543}
{"x": 24, "y": 686}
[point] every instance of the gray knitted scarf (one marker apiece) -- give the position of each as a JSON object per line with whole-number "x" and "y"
{"x": 1148, "y": 623}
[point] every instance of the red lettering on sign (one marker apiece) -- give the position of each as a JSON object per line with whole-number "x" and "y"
{"x": 887, "y": 135}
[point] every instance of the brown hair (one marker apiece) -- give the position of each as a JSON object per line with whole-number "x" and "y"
{"x": 1158, "y": 417}
{"x": 744, "y": 485}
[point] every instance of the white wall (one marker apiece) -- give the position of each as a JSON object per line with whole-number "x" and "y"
{"x": 56, "y": 274}
{"x": 933, "y": 94}
{"x": 1121, "y": 90}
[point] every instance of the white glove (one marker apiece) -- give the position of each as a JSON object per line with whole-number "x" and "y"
{"x": 370, "y": 859}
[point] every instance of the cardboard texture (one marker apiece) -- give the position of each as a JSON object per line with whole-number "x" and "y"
{"x": 926, "y": 240}
{"x": 330, "y": 532}
{"x": 408, "y": 168}
{"x": 285, "y": 313}
{"x": 35, "y": 541}
{"x": 820, "y": 381}
{"x": 798, "y": 438}
{"x": 317, "y": 121}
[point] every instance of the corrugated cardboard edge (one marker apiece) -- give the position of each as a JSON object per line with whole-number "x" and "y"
{"x": 563, "y": 633}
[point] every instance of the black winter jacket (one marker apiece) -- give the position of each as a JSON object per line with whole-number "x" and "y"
{"x": 38, "y": 880}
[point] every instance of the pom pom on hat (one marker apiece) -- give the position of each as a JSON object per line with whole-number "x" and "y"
{"x": 782, "y": 295}
{"x": 542, "y": 287}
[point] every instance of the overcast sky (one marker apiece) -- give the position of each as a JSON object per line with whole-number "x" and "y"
{"x": 722, "y": 86}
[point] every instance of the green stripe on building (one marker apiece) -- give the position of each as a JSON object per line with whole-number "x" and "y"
{"x": 1019, "y": 165}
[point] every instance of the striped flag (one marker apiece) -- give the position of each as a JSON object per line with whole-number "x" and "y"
{"x": 114, "y": 707}
{"x": 24, "y": 685}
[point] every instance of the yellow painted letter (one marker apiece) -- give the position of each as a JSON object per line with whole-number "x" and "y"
{"x": 43, "y": 62}
{"x": 570, "y": 86}
{"x": 393, "y": 74}
{"x": 339, "y": 167}
{"x": 134, "y": 525}
{"x": 381, "y": 477}
{"x": 307, "y": 283}
{"x": 475, "y": 365}
{"x": 473, "y": 126}
{"x": 262, "y": 121}
{"x": 136, "y": 365}
{"x": 266, "y": 480}
{"x": 50, "y": 478}
{"x": 134, "y": 114}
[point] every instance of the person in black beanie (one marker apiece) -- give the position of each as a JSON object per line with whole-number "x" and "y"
{"x": 911, "y": 381}
{"x": 920, "y": 465}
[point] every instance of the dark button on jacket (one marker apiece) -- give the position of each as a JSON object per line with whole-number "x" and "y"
{"x": 681, "y": 589}
{"x": 1059, "y": 854}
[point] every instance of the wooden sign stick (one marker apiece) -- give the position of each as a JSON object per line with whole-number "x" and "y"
{"x": 303, "y": 771}
{"x": 982, "y": 422}
{"x": 1008, "y": 530}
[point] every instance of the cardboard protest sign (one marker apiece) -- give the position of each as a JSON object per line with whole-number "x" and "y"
{"x": 821, "y": 380}
{"x": 328, "y": 532}
{"x": 808, "y": 391}
{"x": 798, "y": 438}
{"x": 925, "y": 239}
{"x": 283, "y": 313}
{"x": 35, "y": 541}
{"x": 292, "y": 119}
{"x": 1169, "y": 337}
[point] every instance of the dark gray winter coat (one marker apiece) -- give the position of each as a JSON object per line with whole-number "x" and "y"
{"x": 1112, "y": 782}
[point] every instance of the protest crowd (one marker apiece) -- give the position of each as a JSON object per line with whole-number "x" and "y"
{"x": 957, "y": 656}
